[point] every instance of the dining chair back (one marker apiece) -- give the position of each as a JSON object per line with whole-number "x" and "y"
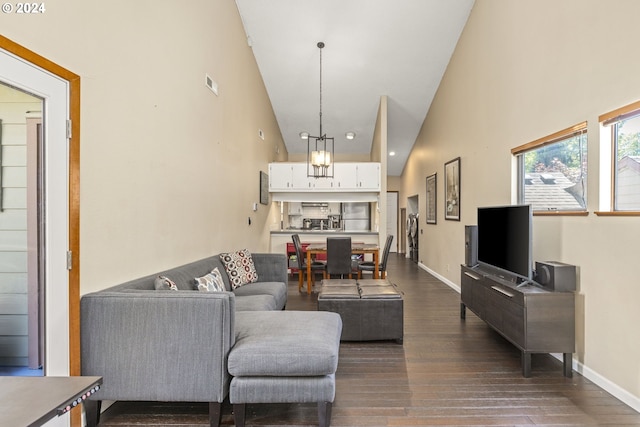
{"x": 299, "y": 253}
{"x": 382, "y": 266}
{"x": 316, "y": 266}
{"x": 339, "y": 256}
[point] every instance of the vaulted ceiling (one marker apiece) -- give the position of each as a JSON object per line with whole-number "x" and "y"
{"x": 397, "y": 48}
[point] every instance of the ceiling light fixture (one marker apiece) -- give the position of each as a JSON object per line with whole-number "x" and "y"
{"x": 304, "y": 135}
{"x": 319, "y": 148}
{"x": 350, "y": 135}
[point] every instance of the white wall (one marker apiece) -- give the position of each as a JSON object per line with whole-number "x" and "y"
{"x": 523, "y": 70}
{"x": 169, "y": 171}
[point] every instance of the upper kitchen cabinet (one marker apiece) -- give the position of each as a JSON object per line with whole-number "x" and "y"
{"x": 348, "y": 177}
{"x": 280, "y": 176}
{"x": 369, "y": 176}
{"x": 295, "y": 208}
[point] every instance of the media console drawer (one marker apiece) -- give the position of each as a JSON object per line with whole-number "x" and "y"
{"x": 533, "y": 319}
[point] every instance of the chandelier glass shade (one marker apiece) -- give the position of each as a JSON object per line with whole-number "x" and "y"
{"x": 320, "y": 148}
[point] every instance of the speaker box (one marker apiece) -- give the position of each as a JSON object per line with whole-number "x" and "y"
{"x": 470, "y": 245}
{"x": 556, "y": 276}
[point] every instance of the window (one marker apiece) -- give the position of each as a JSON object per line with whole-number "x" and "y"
{"x": 624, "y": 124}
{"x": 552, "y": 171}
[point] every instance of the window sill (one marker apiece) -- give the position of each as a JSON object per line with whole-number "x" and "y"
{"x": 617, "y": 213}
{"x": 560, "y": 213}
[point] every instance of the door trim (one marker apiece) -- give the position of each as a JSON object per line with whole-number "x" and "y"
{"x": 74, "y": 196}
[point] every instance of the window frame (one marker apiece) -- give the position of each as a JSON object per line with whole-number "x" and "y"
{"x": 519, "y": 151}
{"x": 609, "y": 120}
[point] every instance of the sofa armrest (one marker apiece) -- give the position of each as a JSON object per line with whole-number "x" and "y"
{"x": 158, "y": 345}
{"x": 271, "y": 267}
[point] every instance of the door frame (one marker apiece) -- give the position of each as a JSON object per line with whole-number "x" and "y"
{"x": 73, "y": 195}
{"x": 394, "y": 209}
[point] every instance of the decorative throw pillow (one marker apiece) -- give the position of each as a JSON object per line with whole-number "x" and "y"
{"x": 240, "y": 267}
{"x": 163, "y": 283}
{"x": 211, "y": 282}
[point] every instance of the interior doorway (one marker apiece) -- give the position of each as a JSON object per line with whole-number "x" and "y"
{"x": 60, "y": 90}
{"x": 403, "y": 231}
{"x": 21, "y": 233}
{"x": 413, "y": 221}
{"x": 392, "y": 218}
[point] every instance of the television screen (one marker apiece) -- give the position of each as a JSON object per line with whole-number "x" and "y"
{"x": 504, "y": 238}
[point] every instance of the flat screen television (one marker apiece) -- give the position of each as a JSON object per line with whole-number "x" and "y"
{"x": 505, "y": 240}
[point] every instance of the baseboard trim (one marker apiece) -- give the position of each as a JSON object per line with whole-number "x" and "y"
{"x": 439, "y": 277}
{"x": 607, "y": 385}
{"x": 593, "y": 376}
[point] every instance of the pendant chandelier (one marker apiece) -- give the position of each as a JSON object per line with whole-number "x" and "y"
{"x": 319, "y": 148}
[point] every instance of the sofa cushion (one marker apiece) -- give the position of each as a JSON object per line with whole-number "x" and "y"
{"x": 277, "y": 290}
{"x": 163, "y": 283}
{"x": 211, "y": 282}
{"x": 240, "y": 268}
{"x": 285, "y": 343}
{"x": 256, "y": 303}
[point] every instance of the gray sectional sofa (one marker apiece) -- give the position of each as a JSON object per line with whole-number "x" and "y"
{"x": 174, "y": 345}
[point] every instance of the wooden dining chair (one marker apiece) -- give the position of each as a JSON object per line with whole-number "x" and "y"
{"x": 382, "y": 266}
{"x": 316, "y": 266}
{"x": 338, "y": 257}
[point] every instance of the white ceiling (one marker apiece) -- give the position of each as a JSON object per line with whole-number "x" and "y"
{"x": 398, "y": 48}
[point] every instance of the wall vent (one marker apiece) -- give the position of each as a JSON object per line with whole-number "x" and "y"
{"x": 211, "y": 84}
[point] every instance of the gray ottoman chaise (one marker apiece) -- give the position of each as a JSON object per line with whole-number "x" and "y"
{"x": 284, "y": 357}
{"x": 371, "y": 309}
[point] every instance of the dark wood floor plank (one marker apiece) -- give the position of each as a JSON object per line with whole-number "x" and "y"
{"x": 448, "y": 372}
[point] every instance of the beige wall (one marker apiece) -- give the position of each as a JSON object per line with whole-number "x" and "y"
{"x": 169, "y": 171}
{"x": 523, "y": 70}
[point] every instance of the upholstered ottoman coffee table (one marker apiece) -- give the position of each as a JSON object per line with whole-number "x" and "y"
{"x": 371, "y": 309}
{"x": 284, "y": 357}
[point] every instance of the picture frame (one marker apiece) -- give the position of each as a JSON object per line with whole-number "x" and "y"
{"x": 452, "y": 190}
{"x": 432, "y": 190}
{"x": 264, "y": 188}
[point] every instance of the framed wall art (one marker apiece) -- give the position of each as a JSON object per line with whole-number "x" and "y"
{"x": 432, "y": 189}
{"x": 264, "y": 188}
{"x": 452, "y": 190}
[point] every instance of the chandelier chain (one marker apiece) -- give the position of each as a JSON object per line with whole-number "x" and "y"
{"x": 321, "y": 46}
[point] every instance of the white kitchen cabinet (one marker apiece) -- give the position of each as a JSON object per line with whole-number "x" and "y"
{"x": 333, "y": 209}
{"x": 303, "y": 182}
{"x": 368, "y": 176}
{"x": 347, "y": 177}
{"x": 280, "y": 177}
{"x": 295, "y": 208}
{"x": 358, "y": 176}
{"x": 300, "y": 180}
{"x": 321, "y": 184}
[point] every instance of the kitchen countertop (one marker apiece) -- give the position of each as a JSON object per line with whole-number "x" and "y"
{"x": 332, "y": 232}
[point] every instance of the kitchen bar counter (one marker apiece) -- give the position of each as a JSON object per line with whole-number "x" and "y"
{"x": 302, "y": 232}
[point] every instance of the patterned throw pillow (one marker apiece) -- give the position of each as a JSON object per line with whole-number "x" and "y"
{"x": 163, "y": 283}
{"x": 211, "y": 282}
{"x": 240, "y": 267}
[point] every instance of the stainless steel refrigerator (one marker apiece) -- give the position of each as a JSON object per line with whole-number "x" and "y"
{"x": 356, "y": 216}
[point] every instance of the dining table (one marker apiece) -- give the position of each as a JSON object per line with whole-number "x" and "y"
{"x": 357, "y": 248}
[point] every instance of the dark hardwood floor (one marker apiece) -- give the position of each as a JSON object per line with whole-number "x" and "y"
{"x": 448, "y": 372}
